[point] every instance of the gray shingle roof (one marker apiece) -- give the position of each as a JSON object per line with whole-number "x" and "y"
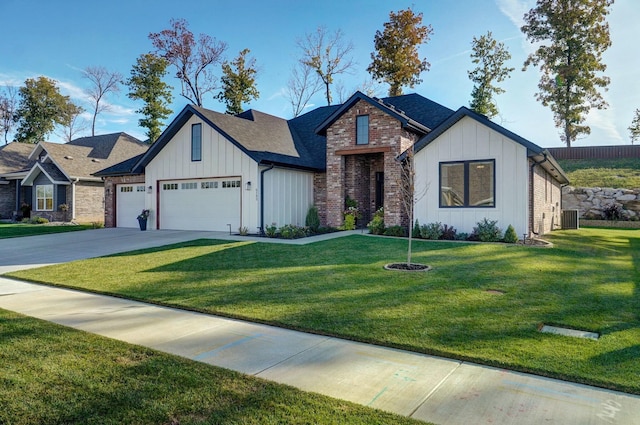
{"x": 14, "y": 157}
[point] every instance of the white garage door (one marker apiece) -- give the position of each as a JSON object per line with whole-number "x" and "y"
{"x": 204, "y": 204}
{"x": 129, "y": 204}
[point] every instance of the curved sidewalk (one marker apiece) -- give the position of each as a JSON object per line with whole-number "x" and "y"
{"x": 428, "y": 388}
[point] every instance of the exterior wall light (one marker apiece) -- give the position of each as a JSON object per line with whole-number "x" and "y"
{"x": 248, "y": 185}
{"x": 149, "y": 189}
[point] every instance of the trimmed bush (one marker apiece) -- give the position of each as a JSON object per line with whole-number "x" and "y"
{"x": 271, "y": 231}
{"x": 510, "y": 235}
{"x": 376, "y": 226}
{"x": 349, "y": 222}
{"x": 487, "y": 231}
{"x": 448, "y": 233}
{"x": 291, "y": 231}
{"x": 431, "y": 231}
{"x": 312, "y": 221}
{"x": 395, "y": 231}
{"x": 416, "y": 230}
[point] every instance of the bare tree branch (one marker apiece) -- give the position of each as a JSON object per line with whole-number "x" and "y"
{"x": 102, "y": 83}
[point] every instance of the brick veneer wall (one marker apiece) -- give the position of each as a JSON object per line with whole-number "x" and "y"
{"x": 110, "y": 195}
{"x": 7, "y": 199}
{"x": 354, "y": 174}
{"x": 544, "y": 214}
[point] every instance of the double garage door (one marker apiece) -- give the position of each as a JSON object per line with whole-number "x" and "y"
{"x": 203, "y": 204}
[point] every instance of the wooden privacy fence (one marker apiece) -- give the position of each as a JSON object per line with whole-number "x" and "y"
{"x": 596, "y": 152}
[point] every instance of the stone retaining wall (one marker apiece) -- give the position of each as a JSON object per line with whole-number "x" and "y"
{"x": 592, "y": 201}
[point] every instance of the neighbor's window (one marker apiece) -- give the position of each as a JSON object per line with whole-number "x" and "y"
{"x": 196, "y": 142}
{"x": 44, "y": 197}
{"x": 467, "y": 184}
{"x": 362, "y": 130}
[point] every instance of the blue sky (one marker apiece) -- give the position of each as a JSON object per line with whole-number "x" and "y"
{"x": 60, "y": 38}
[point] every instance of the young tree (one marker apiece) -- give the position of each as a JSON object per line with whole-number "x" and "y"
{"x": 634, "y": 129}
{"x": 396, "y": 60}
{"x": 146, "y": 84}
{"x": 238, "y": 82}
{"x": 102, "y": 83}
{"x": 191, "y": 59}
{"x": 572, "y": 36}
{"x": 328, "y": 55}
{"x": 301, "y": 87}
{"x": 490, "y": 56}
{"x": 40, "y": 108}
{"x": 8, "y": 105}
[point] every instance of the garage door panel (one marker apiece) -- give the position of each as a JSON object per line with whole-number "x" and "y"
{"x": 208, "y": 204}
{"x": 129, "y": 204}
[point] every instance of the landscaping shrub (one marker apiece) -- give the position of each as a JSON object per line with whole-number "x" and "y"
{"x": 510, "y": 235}
{"x": 431, "y": 231}
{"x": 448, "y": 233}
{"x": 349, "y": 222}
{"x": 244, "y": 231}
{"x": 462, "y": 236}
{"x": 416, "y": 230}
{"x": 487, "y": 231}
{"x": 612, "y": 212}
{"x": 312, "y": 221}
{"x": 395, "y": 231}
{"x": 291, "y": 231}
{"x": 271, "y": 231}
{"x": 35, "y": 220}
{"x": 376, "y": 226}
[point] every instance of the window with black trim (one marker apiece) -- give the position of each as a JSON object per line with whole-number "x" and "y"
{"x": 196, "y": 142}
{"x": 468, "y": 184}
{"x": 362, "y": 130}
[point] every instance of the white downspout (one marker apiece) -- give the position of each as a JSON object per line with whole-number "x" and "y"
{"x": 73, "y": 198}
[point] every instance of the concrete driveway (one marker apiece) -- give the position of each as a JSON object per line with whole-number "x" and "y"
{"x": 34, "y": 251}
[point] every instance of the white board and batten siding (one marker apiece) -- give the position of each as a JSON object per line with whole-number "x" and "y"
{"x": 470, "y": 140}
{"x": 202, "y": 207}
{"x": 288, "y": 194}
{"x": 130, "y": 201}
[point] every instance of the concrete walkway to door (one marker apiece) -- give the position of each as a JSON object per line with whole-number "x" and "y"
{"x": 423, "y": 387}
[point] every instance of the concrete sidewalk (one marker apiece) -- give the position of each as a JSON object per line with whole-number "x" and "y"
{"x": 423, "y": 387}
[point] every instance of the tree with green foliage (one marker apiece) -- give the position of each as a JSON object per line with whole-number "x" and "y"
{"x": 571, "y": 36}
{"x": 40, "y": 108}
{"x": 634, "y": 129}
{"x": 238, "y": 82}
{"x": 490, "y": 56}
{"x": 146, "y": 84}
{"x": 192, "y": 59}
{"x": 396, "y": 60}
{"x": 327, "y": 55}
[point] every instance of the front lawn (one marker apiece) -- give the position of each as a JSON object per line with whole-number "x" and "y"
{"x": 16, "y": 230}
{"x": 481, "y": 302}
{"x": 51, "y": 374}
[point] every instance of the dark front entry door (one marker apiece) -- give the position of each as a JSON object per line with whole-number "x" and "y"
{"x": 379, "y": 190}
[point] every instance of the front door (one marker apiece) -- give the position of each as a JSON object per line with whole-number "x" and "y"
{"x": 379, "y": 190}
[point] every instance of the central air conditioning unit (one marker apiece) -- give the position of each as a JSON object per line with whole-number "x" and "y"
{"x": 570, "y": 219}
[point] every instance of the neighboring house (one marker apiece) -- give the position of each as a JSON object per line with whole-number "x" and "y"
{"x": 211, "y": 171}
{"x": 14, "y": 164}
{"x": 53, "y": 174}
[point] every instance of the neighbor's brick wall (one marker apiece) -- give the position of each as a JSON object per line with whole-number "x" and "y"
{"x": 320, "y": 196}
{"x": 354, "y": 175}
{"x": 545, "y": 211}
{"x": 7, "y": 199}
{"x": 110, "y": 195}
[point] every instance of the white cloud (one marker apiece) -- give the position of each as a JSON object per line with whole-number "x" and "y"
{"x": 515, "y": 10}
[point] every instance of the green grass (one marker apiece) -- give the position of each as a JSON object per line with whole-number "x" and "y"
{"x": 16, "y": 230}
{"x": 616, "y": 173}
{"x": 56, "y": 375}
{"x": 587, "y": 281}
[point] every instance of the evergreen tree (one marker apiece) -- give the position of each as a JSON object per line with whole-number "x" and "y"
{"x": 238, "y": 82}
{"x": 490, "y": 56}
{"x": 146, "y": 84}
{"x": 634, "y": 129}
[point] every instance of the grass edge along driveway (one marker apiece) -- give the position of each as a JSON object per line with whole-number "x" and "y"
{"x": 481, "y": 302}
{"x": 17, "y": 230}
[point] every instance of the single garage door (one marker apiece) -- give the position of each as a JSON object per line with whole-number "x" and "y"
{"x": 129, "y": 204}
{"x": 203, "y": 204}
